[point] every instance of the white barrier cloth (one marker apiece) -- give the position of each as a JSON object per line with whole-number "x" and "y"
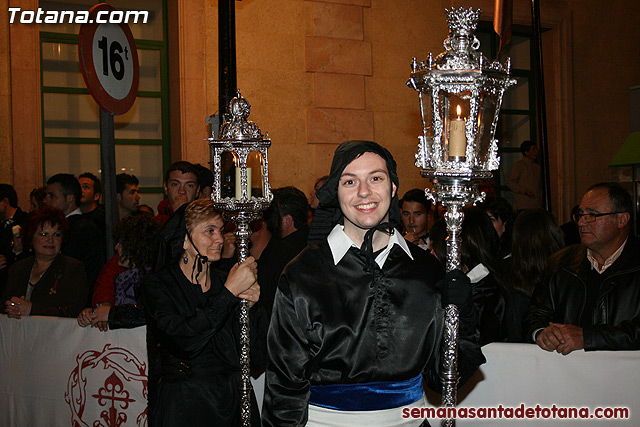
{"x": 55, "y": 373}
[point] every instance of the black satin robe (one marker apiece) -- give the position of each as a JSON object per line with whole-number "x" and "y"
{"x": 196, "y": 335}
{"x": 337, "y": 324}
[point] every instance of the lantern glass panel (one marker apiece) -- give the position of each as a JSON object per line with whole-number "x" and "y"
{"x": 255, "y": 173}
{"x": 486, "y": 114}
{"x": 229, "y": 171}
{"x": 517, "y": 98}
{"x": 426, "y": 109}
{"x": 454, "y": 109}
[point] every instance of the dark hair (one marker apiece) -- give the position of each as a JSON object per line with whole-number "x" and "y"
{"x": 480, "y": 243}
{"x": 39, "y": 194}
{"x": 97, "y": 185}
{"x": 124, "y": 179}
{"x": 536, "y": 236}
{"x": 292, "y": 201}
{"x": 41, "y": 216}
{"x": 322, "y": 180}
{"x": 619, "y": 197}
{"x": 184, "y": 167}
{"x": 69, "y": 185}
{"x": 205, "y": 176}
{"x": 436, "y": 211}
{"x": 9, "y": 192}
{"x": 438, "y": 241}
{"x": 271, "y": 218}
{"x": 136, "y": 233}
{"x": 418, "y": 196}
{"x": 499, "y": 208}
{"x": 526, "y": 146}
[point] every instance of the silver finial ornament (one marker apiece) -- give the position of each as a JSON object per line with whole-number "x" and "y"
{"x": 236, "y": 125}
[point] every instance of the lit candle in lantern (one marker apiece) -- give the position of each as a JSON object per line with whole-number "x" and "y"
{"x": 457, "y": 136}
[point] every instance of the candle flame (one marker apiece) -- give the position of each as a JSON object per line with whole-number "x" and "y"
{"x": 459, "y": 110}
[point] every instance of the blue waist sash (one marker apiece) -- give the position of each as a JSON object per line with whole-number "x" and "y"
{"x": 367, "y": 396}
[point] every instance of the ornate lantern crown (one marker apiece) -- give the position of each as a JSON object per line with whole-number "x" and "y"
{"x": 460, "y": 95}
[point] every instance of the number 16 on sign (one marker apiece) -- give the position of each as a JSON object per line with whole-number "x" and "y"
{"x": 109, "y": 61}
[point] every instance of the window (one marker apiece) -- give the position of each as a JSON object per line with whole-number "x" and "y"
{"x": 71, "y": 118}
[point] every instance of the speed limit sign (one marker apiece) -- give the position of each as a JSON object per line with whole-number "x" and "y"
{"x": 109, "y": 62}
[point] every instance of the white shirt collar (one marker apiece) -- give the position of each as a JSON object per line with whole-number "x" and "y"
{"x": 75, "y": 212}
{"x": 339, "y": 243}
{"x": 608, "y": 262}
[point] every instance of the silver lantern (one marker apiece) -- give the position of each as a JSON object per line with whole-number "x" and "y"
{"x": 241, "y": 191}
{"x": 460, "y": 93}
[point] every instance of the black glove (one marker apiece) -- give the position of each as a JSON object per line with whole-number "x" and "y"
{"x": 456, "y": 289}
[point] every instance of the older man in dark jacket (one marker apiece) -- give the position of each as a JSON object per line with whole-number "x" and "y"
{"x": 592, "y": 299}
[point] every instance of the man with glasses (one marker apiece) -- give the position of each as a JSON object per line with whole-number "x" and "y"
{"x": 592, "y": 300}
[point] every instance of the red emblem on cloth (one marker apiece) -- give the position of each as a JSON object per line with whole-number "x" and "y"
{"x": 107, "y": 388}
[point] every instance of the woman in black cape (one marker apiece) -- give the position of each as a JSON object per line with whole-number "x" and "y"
{"x": 193, "y": 328}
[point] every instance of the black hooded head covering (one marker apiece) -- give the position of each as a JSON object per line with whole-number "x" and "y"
{"x": 169, "y": 244}
{"x": 170, "y": 239}
{"x": 328, "y": 213}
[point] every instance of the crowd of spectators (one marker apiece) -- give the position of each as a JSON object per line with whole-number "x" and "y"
{"x": 70, "y": 209}
{"x": 512, "y": 265}
{"x": 504, "y": 254}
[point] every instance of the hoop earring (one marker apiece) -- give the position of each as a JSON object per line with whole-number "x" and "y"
{"x": 185, "y": 259}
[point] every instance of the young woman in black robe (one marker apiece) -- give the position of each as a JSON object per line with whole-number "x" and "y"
{"x": 193, "y": 326}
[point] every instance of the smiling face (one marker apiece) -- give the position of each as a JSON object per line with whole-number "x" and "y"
{"x": 47, "y": 241}
{"x": 208, "y": 237}
{"x": 365, "y": 192}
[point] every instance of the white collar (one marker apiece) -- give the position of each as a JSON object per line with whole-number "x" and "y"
{"x": 477, "y": 273}
{"x": 339, "y": 243}
{"x": 607, "y": 262}
{"x": 75, "y": 212}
